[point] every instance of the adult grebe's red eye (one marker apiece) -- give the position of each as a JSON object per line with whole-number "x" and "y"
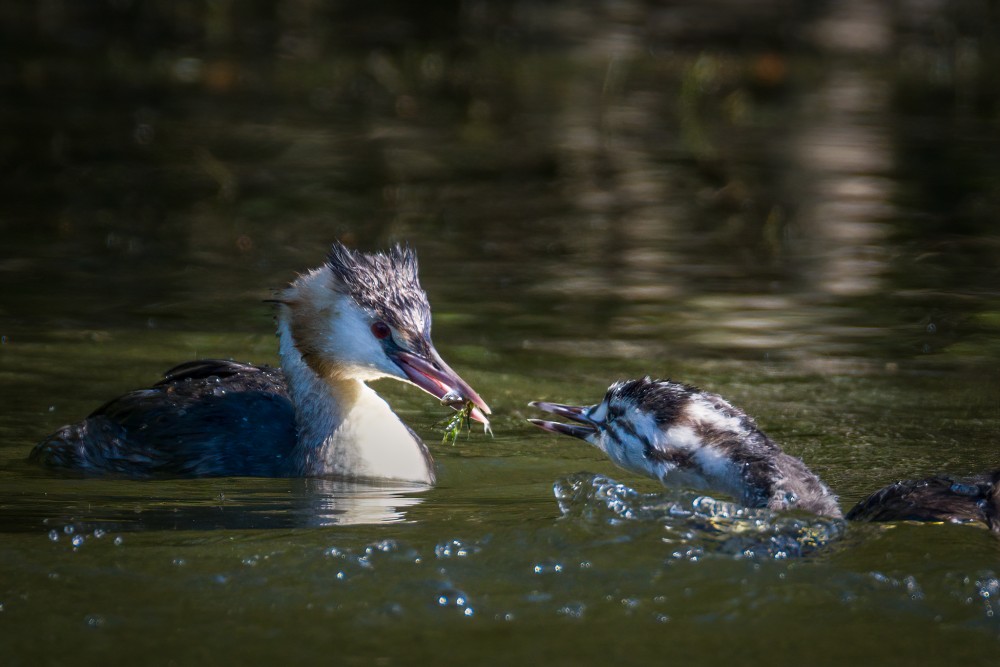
{"x": 381, "y": 330}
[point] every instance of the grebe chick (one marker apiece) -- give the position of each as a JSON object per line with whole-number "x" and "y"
{"x": 681, "y": 435}
{"x": 357, "y": 318}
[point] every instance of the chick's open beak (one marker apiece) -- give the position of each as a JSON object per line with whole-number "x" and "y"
{"x": 435, "y": 377}
{"x": 582, "y": 429}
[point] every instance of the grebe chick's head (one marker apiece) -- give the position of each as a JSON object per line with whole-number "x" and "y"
{"x": 642, "y": 425}
{"x": 364, "y": 316}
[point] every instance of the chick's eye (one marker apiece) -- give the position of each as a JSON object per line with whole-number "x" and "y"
{"x": 380, "y": 330}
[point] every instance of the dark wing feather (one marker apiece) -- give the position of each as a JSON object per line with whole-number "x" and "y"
{"x": 206, "y": 418}
{"x": 201, "y": 369}
{"x": 940, "y": 498}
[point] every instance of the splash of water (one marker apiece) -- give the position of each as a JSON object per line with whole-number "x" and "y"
{"x": 695, "y": 524}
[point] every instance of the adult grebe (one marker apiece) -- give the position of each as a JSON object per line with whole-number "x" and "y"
{"x": 938, "y": 498}
{"x": 679, "y": 434}
{"x": 357, "y": 318}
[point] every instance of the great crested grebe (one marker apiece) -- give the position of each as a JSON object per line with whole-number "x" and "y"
{"x": 357, "y": 318}
{"x": 938, "y": 498}
{"x": 681, "y": 435}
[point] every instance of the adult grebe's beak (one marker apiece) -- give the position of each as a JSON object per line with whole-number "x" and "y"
{"x": 434, "y": 376}
{"x": 584, "y": 427}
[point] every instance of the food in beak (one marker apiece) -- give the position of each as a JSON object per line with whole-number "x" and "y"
{"x": 436, "y": 378}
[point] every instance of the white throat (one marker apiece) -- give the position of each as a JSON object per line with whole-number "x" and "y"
{"x": 344, "y": 428}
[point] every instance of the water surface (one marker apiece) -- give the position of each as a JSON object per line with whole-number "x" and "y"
{"x": 794, "y": 207}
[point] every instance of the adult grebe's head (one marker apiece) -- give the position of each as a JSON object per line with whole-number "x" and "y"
{"x": 364, "y": 316}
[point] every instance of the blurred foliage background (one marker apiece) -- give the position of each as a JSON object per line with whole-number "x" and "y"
{"x": 780, "y": 177}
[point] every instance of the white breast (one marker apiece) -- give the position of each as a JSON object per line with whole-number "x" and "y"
{"x": 371, "y": 441}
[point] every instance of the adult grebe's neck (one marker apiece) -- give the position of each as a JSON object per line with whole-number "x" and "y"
{"x": 344, "y": 428}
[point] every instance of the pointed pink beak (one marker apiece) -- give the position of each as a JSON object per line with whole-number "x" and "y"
{"x": 436, "y": 378}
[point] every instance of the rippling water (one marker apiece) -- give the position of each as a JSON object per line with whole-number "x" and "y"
{"x": 790, "y": 204}
{"x": 697, "y": 525}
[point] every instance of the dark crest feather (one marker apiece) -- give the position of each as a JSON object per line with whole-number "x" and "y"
{"x": 385, "y": 283}
{"x": 661, "y": 398}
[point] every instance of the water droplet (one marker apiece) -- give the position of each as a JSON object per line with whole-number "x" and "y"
{"x": 118, "y": 541}
{"x": 69, "y": 529}
{"x": 54, "y": 535}
{"x": 78, "y": 540}
{"x": 456, "y": 549}
{"x": 547, "y": 567}
{"x": 383, "y": 546}
{"x": 452, "y": 597}
{"x": 630, "y": 603}
{"x": 572, "y": 610}
{"x": 99, "y": 533}
{"x": 94, "y": 620}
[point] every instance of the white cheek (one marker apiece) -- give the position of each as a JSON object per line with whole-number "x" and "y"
{"x": 351, "y": 342}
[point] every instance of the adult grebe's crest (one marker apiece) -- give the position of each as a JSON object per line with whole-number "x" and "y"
{"x": 384, "y": 283}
